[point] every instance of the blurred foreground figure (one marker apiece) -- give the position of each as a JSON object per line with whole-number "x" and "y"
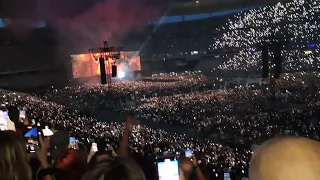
{"x": 14, "y": 160}
{"x": 69, "y": 166}
{"x": 286, "y": 158}
{"x": 116, "y": 168}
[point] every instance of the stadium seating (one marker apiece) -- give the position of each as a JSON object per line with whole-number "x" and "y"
{"x": 296, "y": 23}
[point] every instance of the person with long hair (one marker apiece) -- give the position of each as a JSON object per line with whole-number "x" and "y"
{"x": 115, "y": 168}
{"x": 14, "y": 160}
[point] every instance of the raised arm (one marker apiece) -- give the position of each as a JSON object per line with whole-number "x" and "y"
{"x": 125, "y": 137}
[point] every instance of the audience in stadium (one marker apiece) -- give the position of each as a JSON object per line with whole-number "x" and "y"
{"x": 221, "y": 119}
{"x": 240, "y": 130}
{"x": 147, "y": 142}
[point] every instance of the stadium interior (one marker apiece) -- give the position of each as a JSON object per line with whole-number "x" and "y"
{"x": 215, "y": 78}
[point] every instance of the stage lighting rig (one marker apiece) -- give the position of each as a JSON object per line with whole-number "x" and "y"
{"x": 105, "y": 54}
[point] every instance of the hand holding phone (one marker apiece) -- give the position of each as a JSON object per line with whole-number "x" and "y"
{"x": 93, "y": 150}
{"x": 168, "y": 169}
{"x": 72, "y": 139}
{"x": 42, "y": 151}
{"x": 108, "y": 147}
{"x": 226, "y": 176}
{"x": 31, "y": 135}
{"x": 189, "y": 153}
{"x": 22, "y": 115}
{"x": 46, "y": 131}
{"x": 73, "y": 143}
{"x": 94, "y": 147}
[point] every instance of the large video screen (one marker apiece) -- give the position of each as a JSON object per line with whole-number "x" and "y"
{"x": 85, "y": 65}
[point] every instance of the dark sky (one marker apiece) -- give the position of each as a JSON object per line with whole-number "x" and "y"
{"x": 85, "y": 23}
{"x": 61, "y": 8}
{"x": 32, "y": 8}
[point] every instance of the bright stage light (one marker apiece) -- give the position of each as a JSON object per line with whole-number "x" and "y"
{"x": 121, "y": 74}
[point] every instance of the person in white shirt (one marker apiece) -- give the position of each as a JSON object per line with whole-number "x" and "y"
{"x": 11, "y": 125}
{"x": 3, "y": 124}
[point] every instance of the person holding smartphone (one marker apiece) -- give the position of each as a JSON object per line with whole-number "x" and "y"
{"x": 95, "y": 156}
{"x": 187, "y": 166}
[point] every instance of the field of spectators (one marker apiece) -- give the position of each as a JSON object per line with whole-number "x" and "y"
{"x": 239, "y": 37}
{"x": 232, "y": 118}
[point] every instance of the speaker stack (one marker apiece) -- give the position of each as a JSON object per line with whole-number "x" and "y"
{"x": 103, "y": 74}
{"x": 265, "y": 61}
{"x": 277, "y": 61}
{"x": 114, "y": 71}
{"x": 277, "y": 49}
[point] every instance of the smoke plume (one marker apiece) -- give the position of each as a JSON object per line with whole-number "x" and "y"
{"x": 103, "y": 20}
{"x": 81, "y": 24}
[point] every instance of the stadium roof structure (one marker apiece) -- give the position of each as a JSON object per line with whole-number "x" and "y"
{"x": 207, "y": 6}
{"x": 19, "y": 9}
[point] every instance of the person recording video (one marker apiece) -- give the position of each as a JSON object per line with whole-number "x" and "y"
{"x": 188, "y": 166}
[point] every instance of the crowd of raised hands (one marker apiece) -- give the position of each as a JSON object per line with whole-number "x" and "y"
{"x": 221, "y": 121}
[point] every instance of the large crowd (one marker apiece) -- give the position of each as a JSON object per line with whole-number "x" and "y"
{"x": 241, "y": 113}
{"x": 240, "y": 37}
{"x": 115, "y": 95}
{"x": 296, "y": 22}
{"x": 143, "y": 140}
{"x": 228, "y": 120}
{"x": 231, "y": 120}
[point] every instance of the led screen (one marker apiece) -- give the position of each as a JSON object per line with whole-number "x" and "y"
{"x": 85, "y": 65}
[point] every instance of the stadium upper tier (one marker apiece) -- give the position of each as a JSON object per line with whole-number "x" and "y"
{"x": 240, "y": 35}
{"x": 36, "y": 51}
{"x": 5, "y": 22}
{"x": 171, "y": 40}
{"x": 207, "y": 6}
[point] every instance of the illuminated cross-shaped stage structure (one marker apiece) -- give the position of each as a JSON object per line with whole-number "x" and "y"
{"x": 106, "y": 56}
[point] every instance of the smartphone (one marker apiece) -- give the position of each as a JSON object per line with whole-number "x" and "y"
{"x": 22, "y": 115}
{"x": 31, "y": 135}
{"x": 33, "y": 122}
{"x": 226, "y": 176}
{"x": 72, "y": 142}
{"x": 46, "y": 131}
{"x": 94, "y": 147}
{"x": 188, "y": 153}
{"x": 168, "y": 169}
{"x": 72, "y": 139}
{"x": 4, "y": 120}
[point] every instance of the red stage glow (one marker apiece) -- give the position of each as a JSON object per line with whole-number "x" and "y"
{"x": 87, "y": 65}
